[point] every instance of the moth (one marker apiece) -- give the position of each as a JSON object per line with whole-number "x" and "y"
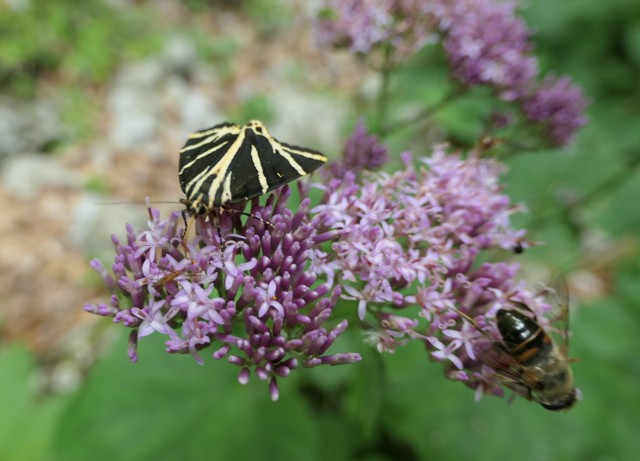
{"x": 230, "y": 163}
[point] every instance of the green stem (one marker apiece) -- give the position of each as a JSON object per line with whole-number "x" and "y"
{"x": 420, "y": 116}
{"x": 382, "y": 103}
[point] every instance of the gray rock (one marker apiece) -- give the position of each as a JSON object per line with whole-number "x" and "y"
{"x": 180, "y": 55}
{"x": 134, "y": 117}
{"x": 27, "y": 127}
{"x": 26, "y": 176}
{"x": 196, "y": 109}
{"x": 310, "y": 120}
{"x": 93, "y": 221}
{"x": 144, "y": 74}
{"x": 146, "y": 94}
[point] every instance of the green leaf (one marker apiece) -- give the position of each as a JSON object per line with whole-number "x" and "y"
{"x": 167, "y": 407}
{"x": 28, "y": 421}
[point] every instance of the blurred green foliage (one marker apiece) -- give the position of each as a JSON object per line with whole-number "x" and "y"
{"x": 256, "y": 107}
{"x": 27, "y": 423}
{"x": 82, "y": 45}
{"x": 168, "y": 407}
{"x": 394, "y": 407}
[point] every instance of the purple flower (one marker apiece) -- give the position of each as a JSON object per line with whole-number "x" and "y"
{"x": 403, "y": 249}
{"x": 414, "y": 238}
{"x": 362, "y": 25}
{"x": 395, "y": 330}
{"x": 446, "y": 351}
{"x": 484, "y": 40}
{"x": 362, "y": 151}
{"x": 487, "y": 44}
{"x": 243, "y": 288}
{"x": 466, "y": 336}
{"x": 558, "y": 106}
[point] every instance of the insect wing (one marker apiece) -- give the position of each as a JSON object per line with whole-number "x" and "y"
{"x": 228, "y": 164}
{"x": 269, "y": 164}
{"x": 205, "y": 157}
{"x": 561, "y": 314}
{"x": 499, "y": 359}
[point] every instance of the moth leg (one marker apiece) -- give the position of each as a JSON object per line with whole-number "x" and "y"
{"x": 186, "y": 225}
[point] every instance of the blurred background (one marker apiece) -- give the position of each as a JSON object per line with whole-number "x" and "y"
{"x": 96, "y": 101}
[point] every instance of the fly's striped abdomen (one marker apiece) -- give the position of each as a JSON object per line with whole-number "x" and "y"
{"x": 525, "y": 340}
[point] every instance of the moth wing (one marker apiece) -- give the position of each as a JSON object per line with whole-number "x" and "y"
{"x": 266, "y": 164}
{"x": 202, "y": 154}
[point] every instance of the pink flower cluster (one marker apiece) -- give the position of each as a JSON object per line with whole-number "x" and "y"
{"x": 409, "y": 256}
{"x": 485, "y": 42}
{"x": 363, "y": 25}
{"x": 406, "y": 250}
{"x": 245, "y": 289}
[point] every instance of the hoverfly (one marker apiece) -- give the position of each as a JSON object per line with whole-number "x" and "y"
{"x": 528, "y": 360}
